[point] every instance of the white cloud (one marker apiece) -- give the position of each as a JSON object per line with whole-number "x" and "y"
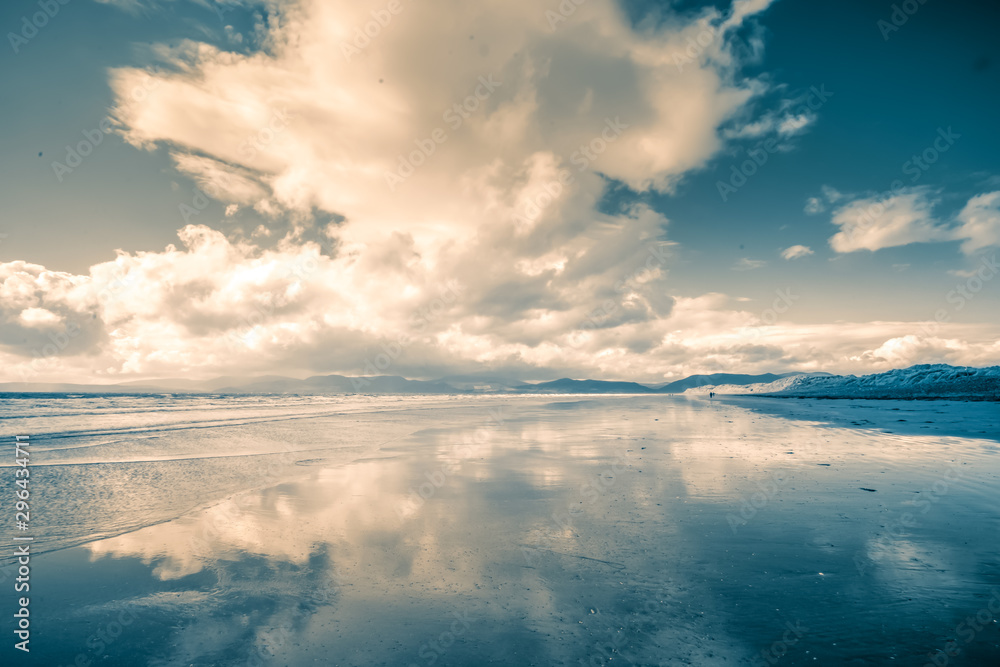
{"x": 746, "y": 264}
{"x": 794, "y": 124}
{"x": 831, "y": 195}
{"x": 214, "y": 307}
{"x": 780, "y": 125}
{"x": 351, "y": 116}
{"x": 910, "y": 349}
{"x": 38, "y": 317}
{"x": 796, "y": 251}
{"x": 45, "y": 318}
{"x": 815, "y": 205}
{"x": 819, "y": 204}
{"x": 509, "y": 129}
{"x": 872, "y": 223}
{"x": 979, "y": 223}
{"x": 492, "y": 254}
{"x": 222, "y": 181}
{"x": 132, "y": 6}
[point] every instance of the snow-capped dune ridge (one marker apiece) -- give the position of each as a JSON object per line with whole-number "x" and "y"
{"x": 924, "y": 381}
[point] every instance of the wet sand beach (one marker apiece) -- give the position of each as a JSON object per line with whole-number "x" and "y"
{"x": 560, "y": 530}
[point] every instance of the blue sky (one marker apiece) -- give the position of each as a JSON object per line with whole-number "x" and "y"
{"x": 535, "y": 298}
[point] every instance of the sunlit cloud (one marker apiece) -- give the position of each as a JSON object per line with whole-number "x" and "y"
{"x": 979, "y": 223}
{"x": 907, "y": 216}
{"x": 873, "y": 223}
{"x": 796, "y": 251}
{"x": 433, "y": 192}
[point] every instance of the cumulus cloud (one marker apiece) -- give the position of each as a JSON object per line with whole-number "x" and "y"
{"x": 329, "y": 111}
{"x": 47, "y": 313}
{"x": 796, "y": 251}
{"x": 212, "y": 306}
{"x": 463, "y": 158}
{"x": 431, "y": 195}
{"x": 909, "y": 349}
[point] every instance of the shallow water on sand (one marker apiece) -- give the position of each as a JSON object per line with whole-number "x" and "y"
{"x": 645, "y": 530}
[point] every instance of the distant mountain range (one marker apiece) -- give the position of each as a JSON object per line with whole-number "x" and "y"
{"x": 391, "y": 384}
{"x": 923, "y": 381}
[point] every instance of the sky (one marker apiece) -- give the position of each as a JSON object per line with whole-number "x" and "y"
{"x": 612, "y": 189}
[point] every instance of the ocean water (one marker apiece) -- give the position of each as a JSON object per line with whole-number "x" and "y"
{"x": 507, "y": 530}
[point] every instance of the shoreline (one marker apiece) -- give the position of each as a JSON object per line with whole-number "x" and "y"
{"x": 954, "y": 418}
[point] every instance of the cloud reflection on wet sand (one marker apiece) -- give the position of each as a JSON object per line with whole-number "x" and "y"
{"x": 589, "y": 533}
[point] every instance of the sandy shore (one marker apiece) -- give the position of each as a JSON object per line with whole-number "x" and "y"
{"x": 563, "y": 531}
{"x": 963, "y": 419}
